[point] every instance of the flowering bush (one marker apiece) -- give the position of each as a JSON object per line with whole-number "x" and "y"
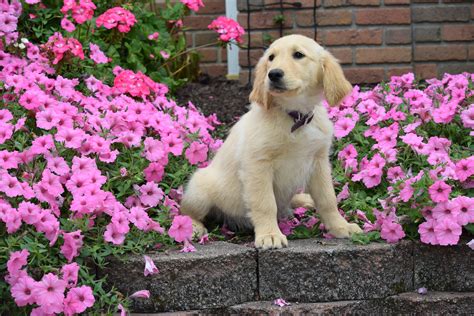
{"x": 129, "y": 35}
{"x": 88, "y": 168}
{"x": 403, "y": 161}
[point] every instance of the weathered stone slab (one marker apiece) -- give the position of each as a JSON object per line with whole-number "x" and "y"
{"x": 316, "y": 270}
{"x": 433, "y": 303}
{"x": 268, "y": 308}
{"x": 216, "y": 275}
{"x": 441, "y": 268}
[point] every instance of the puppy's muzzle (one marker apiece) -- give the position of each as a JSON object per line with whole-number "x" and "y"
{"x": 276, "y": 80}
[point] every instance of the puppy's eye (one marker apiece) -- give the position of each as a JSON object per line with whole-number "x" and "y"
{"x": 298, "y": 55}
{"x": 271, "y": 57}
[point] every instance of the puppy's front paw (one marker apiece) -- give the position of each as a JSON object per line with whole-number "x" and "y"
{"x": 198, "y": 229}
{"x": 344, "y": 230}
{"x": 271, "y": 241}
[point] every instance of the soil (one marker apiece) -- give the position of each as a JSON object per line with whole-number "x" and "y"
{"x": 227, "y": 98}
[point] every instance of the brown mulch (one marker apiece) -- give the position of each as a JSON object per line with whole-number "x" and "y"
{"x": 227, "y": 98}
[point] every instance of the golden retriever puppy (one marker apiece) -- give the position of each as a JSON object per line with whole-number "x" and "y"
{"x": 282, "y": 144}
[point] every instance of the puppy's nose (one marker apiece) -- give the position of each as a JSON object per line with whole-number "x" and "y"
{"x": 275, "y": 75}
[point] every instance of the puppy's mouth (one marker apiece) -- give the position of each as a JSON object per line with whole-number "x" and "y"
{"x": 278, "y": 88}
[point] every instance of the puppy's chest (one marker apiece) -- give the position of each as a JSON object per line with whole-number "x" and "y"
{"x": 295, "y": 163}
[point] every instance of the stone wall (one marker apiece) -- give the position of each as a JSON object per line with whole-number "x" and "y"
{"x": 373, "y": 39}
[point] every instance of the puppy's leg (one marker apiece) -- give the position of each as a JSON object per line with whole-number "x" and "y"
{"x": 302, "y": 200}
{"x": 197, "y": 200}
{"x": 323, "y": 194}
{"x": 260, "y": 198}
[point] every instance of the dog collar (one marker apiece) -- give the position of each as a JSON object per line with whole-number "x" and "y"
{"x": 300, "y": 119}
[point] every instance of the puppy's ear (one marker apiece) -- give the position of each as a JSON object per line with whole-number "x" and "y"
{"x": 335, "y": 84}
{"x": 259, "y": 92}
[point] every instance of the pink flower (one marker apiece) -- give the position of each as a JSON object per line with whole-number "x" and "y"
{"x": 447, "y": 232}
{"x": 78, "y": 299}
{"x": 150, "y": 267}
{"x": 154, "y": 172}
{"x": 228, "y": 29}
{"x": 49, "y": 293}
{"x": 193, "y": 4}
{"x": 439, "y": 191}
{"x": 150, "y": 194}
{"x": 113, "y": 235}
{"x": 70, "y": 273}
{"x": 22, "y": 291}
{"x": 117, "y": 17}
{"x": 343, "y": 127}
{"x": 97, "y": 55}
{"x": 141, "y": 294}
{"x": 280, "y": 302}
{"x": 196, "y": 153}
{"x": 427, "y": 232}
{"x": 188, "y": 247}
{"x": 72, "y": 245}
{"x": 372, "y": 177}
{"x": 344, "y": 194}
{"x": 464, "y": 169}
{"x": 181, "y": 229}
{"x": 17, "y": 260}
{"x": 392, "y": 232}
{"x": 204, "y": 239}
{"x": 67, "y": 25}
{"x": 153, "y": 36}
{"x": 465, "y": 208}
{"x": 471, "y": 244}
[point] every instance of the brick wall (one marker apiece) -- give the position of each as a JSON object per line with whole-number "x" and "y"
{"x": 373, "y": 39}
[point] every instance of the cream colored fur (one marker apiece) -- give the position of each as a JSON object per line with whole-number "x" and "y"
{"x": 261, "y": 165}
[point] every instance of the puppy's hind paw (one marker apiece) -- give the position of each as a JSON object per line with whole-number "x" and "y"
{"x": 271, "y": 241}
{"x": 199, "y": 229}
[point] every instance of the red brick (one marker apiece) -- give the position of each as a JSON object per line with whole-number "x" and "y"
{"x": 290, "y": 4}
{"x": 213, "y": 7}
{"x": 265, "y": 19}
{"x": 344, "y": 55}
{"x": 456, "y": 1}
{"x": 214, "y": 70}
{"x": 335, "y": 3}
{"x": 430, "y": 33}
{"x": 255, "y": 55}
{"x": 309, "y": 32}
{"x": 326, "y": 17}
{"x": 364, "y": 2}
{"x": 383, "y": 55}
{"x": 425, "y": 1}
{"x": 223, "y": 54}
{"x": 441, "y": 13}
{"x": 398, "y": 71}
{"x": 440, "y": 52}
{"x": 394, "y": 2}
{"x": 202, "y": 38}
{"x": 471, "y": 52}
{"x": 398, "y": 35}
{"x": 195, "y": 22}
{"x": 208, "y": 55}
{"x": 383, "y": 16}
{"x": 425, "y": 71}
{"x": 464, "y": 32}
{"x": 455, "y": 68}
{"x": 353, "y": 37}
{"x": 259, "y": 38}
{"x": 364, "y": 74}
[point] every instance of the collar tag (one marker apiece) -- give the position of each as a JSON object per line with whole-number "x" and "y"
{"x": 300, "y": 119}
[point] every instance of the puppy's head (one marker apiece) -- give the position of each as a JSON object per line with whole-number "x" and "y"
{"x": 297, "y": 65}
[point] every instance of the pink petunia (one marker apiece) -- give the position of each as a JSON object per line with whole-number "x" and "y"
{"x": 196, "y": 153}
{"x": 447, "y": 232}
{"x": 343, "y": 127}
{"x": 150, "y": 267}
{"x": 49, "y": 293}
{"x": 22, "y": 291}
{"x": 150, "y": 194}
{"x": 97, "y": 55}
{"x": 69, "y": 273}
{"x": 181, "y": 228}
{"x": 17, "y": 260}
{"x": 67, "y": 25}
{"x": 78, "y": 299}
{"x": 439, "y": 191}
{"x": 141, "y": 294}
{"x": 427, "y": 232}
{"x": 392, "y": 232}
